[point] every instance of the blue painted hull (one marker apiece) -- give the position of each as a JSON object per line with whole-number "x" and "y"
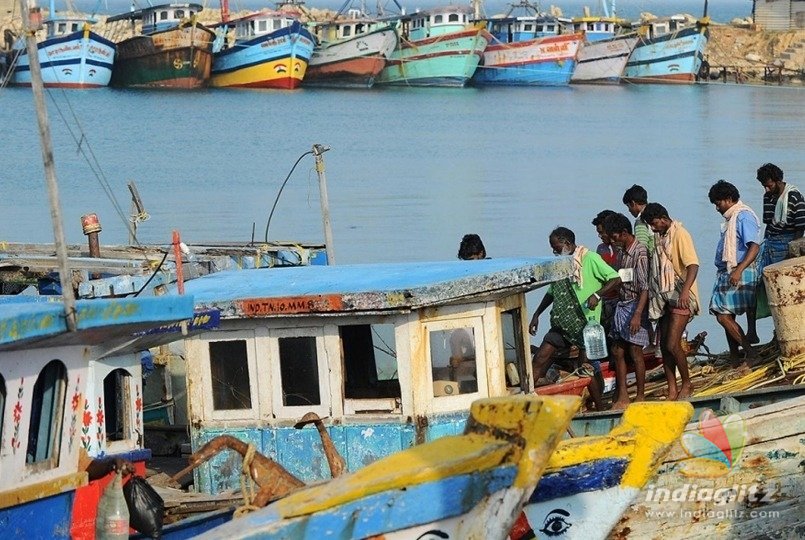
{"x": 672, "y": 58}
{"x": 545, "y": 74}
{"x": 43, "y": 518}
{"x": 545, "y": 61}
{"x": 79, "y": 60}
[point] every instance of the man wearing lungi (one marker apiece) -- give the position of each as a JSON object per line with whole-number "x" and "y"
{"x": 630, "y": 326}
{"x": 736, "y": 271}
{"x": 673, "y": 294}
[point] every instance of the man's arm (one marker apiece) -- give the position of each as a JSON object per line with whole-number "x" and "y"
{"x": 547, "y": 300}
{"x": 691, "y": 272}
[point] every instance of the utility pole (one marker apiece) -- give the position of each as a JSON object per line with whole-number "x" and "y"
{"x": 65, "y": 275}
{"x": 318, "y": 150}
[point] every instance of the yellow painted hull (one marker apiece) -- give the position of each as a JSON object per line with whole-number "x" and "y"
{"x": 285, "y": 73}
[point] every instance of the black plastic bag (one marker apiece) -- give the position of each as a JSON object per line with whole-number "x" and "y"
{"x": 146, "y": 507}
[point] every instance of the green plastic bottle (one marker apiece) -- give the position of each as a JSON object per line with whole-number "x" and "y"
{"x": 112, "y": 522}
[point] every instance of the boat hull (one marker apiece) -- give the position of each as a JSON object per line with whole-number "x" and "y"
{"x": 602, "y": 62}
{"x": 351, "y": 63}
{"x": 445, "y": 60}
{"x": 79, "y": 60}
{"x": 48, "y": 517}
{"x": 672, "y": 58}
{"x": 547, "y": 61}
{"x": 179, "y": 58}
{"x": 276, "y": 60}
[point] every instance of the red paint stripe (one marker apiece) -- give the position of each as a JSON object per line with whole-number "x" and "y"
{"x": 409, "y": 59}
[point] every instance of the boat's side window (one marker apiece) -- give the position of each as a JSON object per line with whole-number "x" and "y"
{"x": 117, "y": 404}
{"x": 370, "y": 361}
{"x": 299, "y": 371}
{"x": 514, "y": 355}
{"x": 229, "y": 373}
{"x": 262, "y": 26}
{"x": 549, "y": 28}
{"x": 453, "y": 362}
{"x": 2, "y": 406}
{"x": 277, "y": 24}
{"x": 47, "y": 407}
{"x": 163, "y": 15}
{"x": 453, "y": 17}
{"x": 179, "y": 14}
{"x": 528, "y": 28}
{"x": 347, "y": 31}
{"x": 438, "y": 19}
{"x": 62, "y": 27}
{"x": 359, "y": 28}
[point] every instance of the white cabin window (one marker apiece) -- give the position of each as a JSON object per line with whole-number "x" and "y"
{"x": 453, "y": 17}
{"x": 74, "y": 27}
{"x": 277, "y": 24}
{"x": 299, "y": 370}
{"x": 453, "y": 361}
{"x": 163, "y": 15}
{"x": 590, "y": 27}
{"x": 528, "y": 28}
{"x": 549, "y": 28}
{"x": 359, "y": 28}
{"x": 347, "y": 31}
{"x": 370, "y": 361}
{"x": 179, "y": 13}
{"x": 117, "y": 405}
{"x": 62, "y": 27}
{"x": 262, "y": 26}
{"x": 229, "y": 374}
{"x": 437, "y": 19}
{"x": 47, "y": 409}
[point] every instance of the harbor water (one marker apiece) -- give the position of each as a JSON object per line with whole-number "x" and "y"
{"x": 409, "y": 171}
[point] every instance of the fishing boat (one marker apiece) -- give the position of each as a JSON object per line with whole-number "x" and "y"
{"x": 268, "y": 49}
{"x": 529, "y": 49}
{"x": 350, "y": 51}
{"x": 172, "y": 49}
{"x": 71, "y": 54}
{"x": 46, "y": 391}
{"x": 591, "y": 481}
{"x": 462, "y": 486}
{"x": 605, "y": 49}
{"x": 438, "y": 47}
{"x": 737, "y": 475}
{"x": 668, "y": 51}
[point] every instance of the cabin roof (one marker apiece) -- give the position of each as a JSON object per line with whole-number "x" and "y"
{"x": 370, "y": 287}
{"x": 35, "y": 322}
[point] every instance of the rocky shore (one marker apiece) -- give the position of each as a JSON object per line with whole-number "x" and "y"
{"x": 735, "y": 53}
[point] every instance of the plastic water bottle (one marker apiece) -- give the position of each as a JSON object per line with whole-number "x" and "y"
{"x": 595, "y": 341}
{"x": 112, "y": 522}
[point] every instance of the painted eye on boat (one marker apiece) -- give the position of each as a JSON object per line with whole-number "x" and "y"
{"x": 555, "y": 524}
{"x": 297, "y": 67}
{"x": 433, "y": 534}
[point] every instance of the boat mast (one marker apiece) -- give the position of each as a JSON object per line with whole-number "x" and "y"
{"x": 65, "y": 276}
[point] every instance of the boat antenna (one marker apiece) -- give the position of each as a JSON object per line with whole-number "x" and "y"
{"x": 65, "y": 276}
{"x": 705, "y": 9}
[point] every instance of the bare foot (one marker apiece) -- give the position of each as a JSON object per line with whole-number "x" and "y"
{"x": 672, "y": 394}
{"x": 685, "y": 392}
{"x": 619, "y": 405}
{"x": 639, "y": 397}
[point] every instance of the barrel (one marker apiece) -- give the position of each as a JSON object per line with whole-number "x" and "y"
{"x": 785, "y": 288}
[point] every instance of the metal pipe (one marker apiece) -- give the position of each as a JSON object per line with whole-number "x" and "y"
{"x": 318, "y": 150}
{"x": 91, "y": 228}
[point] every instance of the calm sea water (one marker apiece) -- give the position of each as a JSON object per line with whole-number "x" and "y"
{"x": 410, "y": 170}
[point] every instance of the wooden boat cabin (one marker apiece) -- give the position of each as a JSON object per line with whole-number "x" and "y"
{"x": 660, "y": 27}
{"x": 389, "y": 355}
{"x": 256, "y": 25}
{"x": 354, "y": 23}
{"x": 65, "y": 393}
{"x": 167, "y": 16}
{"x": 435, "y": 22}
{"x": 596, "y": 28}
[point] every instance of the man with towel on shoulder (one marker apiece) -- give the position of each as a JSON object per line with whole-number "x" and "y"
{"x": 736, "y": 271}
{"x": 673, "y": 294}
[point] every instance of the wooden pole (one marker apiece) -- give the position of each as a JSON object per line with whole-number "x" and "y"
{"x": 318, "y": 150}
{"x": 65, "y": 275}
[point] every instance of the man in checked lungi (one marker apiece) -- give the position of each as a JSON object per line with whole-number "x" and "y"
{"x": 630, "y": 325}
{"x": 736, "y": 268}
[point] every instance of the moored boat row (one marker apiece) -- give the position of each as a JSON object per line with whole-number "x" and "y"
{"x": 446, "y": 46}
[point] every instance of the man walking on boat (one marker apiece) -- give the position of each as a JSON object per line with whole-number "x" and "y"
{"x": 736, "y": 271}
{"x": 575, "y": 300}
{"x": 673, "y": 294}
{"x": 636, "y": 199}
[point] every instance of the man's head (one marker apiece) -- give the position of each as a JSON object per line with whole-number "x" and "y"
{"x": 471, "y": 248}
{"x": 771, "y": 177}
{"x": 724, "y": 195}
{"x": 657, "y": 217}
{"x": 562, "y": 240}
{"x": 635, "y": 199}
{"x": 598, "y": 222}
{"x": 619, "y": 229}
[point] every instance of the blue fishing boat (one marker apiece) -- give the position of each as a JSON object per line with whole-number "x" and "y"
{"x": 268, "y": 49}
{"x": 45, "y": 383}
{"x": 71, "y": 55}
{"x": 462, "y": 486}
{"x": 439, "y": 47}
{"x": 668, "y": 50}
{"x": 530, "y": 49}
